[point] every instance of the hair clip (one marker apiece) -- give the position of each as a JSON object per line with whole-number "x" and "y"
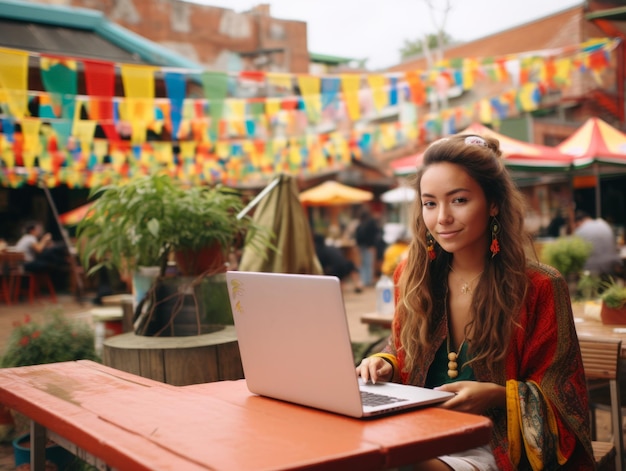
{"x": 475, "y": 141}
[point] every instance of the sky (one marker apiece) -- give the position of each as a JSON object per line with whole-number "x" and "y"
{"x": 377, "y": 29}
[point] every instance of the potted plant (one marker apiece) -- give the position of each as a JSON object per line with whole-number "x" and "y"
{"x": 153, "y": 220}
{"x": 613, "y": 297}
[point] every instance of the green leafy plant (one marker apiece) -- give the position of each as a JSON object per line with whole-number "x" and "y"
{"x": 139, "y": 223}
{"x": 589, "y": 285}
{"x": 567, "y": 254}
{"x": 53, "y": 340}
{"x": 613, "y": 294}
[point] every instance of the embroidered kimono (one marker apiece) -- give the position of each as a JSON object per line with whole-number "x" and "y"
{"x": 546, "y": 421}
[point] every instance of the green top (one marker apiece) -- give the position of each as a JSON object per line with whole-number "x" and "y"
{"x": 438, "y": 372}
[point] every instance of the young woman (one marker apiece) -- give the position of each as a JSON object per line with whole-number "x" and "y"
{"x": 475, "y": 317}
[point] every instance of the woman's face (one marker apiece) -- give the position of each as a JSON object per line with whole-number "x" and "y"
{"x": 455, "y": 209}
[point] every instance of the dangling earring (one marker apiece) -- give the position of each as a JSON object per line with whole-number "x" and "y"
{"x": 494, "y": 226}
{"x": 430, "y": 243}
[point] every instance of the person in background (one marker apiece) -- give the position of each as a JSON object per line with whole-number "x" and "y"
{"x": 367, "y": 236}
{"x": 334, "y": 263}
{"x": 476, "y": 317}
{"x": 604, "y": 259}
{"x": 398, "y": 238}
{"x": 555, "y": 225}
{"x": 41, "y": 253}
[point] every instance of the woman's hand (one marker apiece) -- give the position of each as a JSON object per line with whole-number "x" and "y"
{"x": 374, "y": 369}
{"x": 474, "y": 397}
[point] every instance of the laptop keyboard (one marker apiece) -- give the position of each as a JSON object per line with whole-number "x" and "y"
{"x": 373, "y": 399}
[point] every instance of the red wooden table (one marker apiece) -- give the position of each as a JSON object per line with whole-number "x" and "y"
{"x": 132, "y": 423}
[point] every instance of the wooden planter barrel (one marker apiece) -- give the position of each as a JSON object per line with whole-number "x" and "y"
{"x": 179, "y": 361}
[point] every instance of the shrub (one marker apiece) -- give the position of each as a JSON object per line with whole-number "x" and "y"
{"x": 54, "y": 340}
{"x": 567, "y": 254}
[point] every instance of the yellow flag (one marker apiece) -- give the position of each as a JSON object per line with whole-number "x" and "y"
{"x": 14, "y": 81}
{"x": 32, "y": 144}
{"x": 350, "y": 85}
{"x": 310, "y": 89}
{"x": 100, "y": 149}
{"x": 469, "y": 70}
{"x": 527, "y": 96}
{"x": 272, "y": 106}
{"x": 83, "y": 131}
{"x": 279, "y": 80}
{"x": 377, "y": 84}
{"x": 485, "y": 111}
{"x": 563, "y": 71}
{"x": 138, "y": 83}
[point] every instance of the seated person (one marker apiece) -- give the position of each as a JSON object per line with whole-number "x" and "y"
{"x": 604, "y": 260}
{"x": 40, "y": 252}
{"x": 334, "y": 263}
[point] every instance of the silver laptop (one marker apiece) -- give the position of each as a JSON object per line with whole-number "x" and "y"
{"x": 295, "y": 346}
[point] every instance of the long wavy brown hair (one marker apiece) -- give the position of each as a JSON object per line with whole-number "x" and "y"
{"x": 499, "y": 296}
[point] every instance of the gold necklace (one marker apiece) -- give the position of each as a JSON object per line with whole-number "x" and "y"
{"x": 466, "y": 287}
{"x": 453, "y": 357}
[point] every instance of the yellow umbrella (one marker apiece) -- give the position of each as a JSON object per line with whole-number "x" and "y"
{"x": 332, "y": 193}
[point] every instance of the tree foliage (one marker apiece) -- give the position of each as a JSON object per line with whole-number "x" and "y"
{"x": 416, "y": 47}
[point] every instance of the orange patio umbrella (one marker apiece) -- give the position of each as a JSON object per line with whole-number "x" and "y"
{"x": 331, "y": 193}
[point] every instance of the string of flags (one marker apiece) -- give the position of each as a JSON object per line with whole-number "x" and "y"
{"x": 206, "y": 126}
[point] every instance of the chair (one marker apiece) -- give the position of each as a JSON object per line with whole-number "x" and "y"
{"x": 5, "y": 287}
{"x": 34, "y": 280}
{"x": 601, "y": 360}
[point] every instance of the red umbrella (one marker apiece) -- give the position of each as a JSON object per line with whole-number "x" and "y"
{"x": 75, "y": 215}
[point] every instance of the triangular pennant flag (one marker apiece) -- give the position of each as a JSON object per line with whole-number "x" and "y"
{"x": 377, "y": 84}
{"x": 175, "y": 85}
{"x": 139, "y": 90}
{"x": 100, "y": 85}
{"x": 350, "y": 86}
{"x": 310, "y": 90}
{"x": 14, "y": 81}
{"x": 330, "y": 90}
{"x": 60, "y": 78}
{"x": 280, "y": 80}
{"x": 215, "y": 86}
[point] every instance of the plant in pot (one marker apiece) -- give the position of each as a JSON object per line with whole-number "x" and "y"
{"x": 154, "y": 220}
{"x": 613, "y": 297}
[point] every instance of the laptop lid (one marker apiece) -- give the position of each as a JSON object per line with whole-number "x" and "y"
{"x": 295, "y": 344}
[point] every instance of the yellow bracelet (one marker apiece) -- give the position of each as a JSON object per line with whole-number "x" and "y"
{"x": 389, "y": 358}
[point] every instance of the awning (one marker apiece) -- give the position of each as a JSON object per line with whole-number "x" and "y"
{"x": 516, "y": 154}
{"x": 74, "y": 216}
